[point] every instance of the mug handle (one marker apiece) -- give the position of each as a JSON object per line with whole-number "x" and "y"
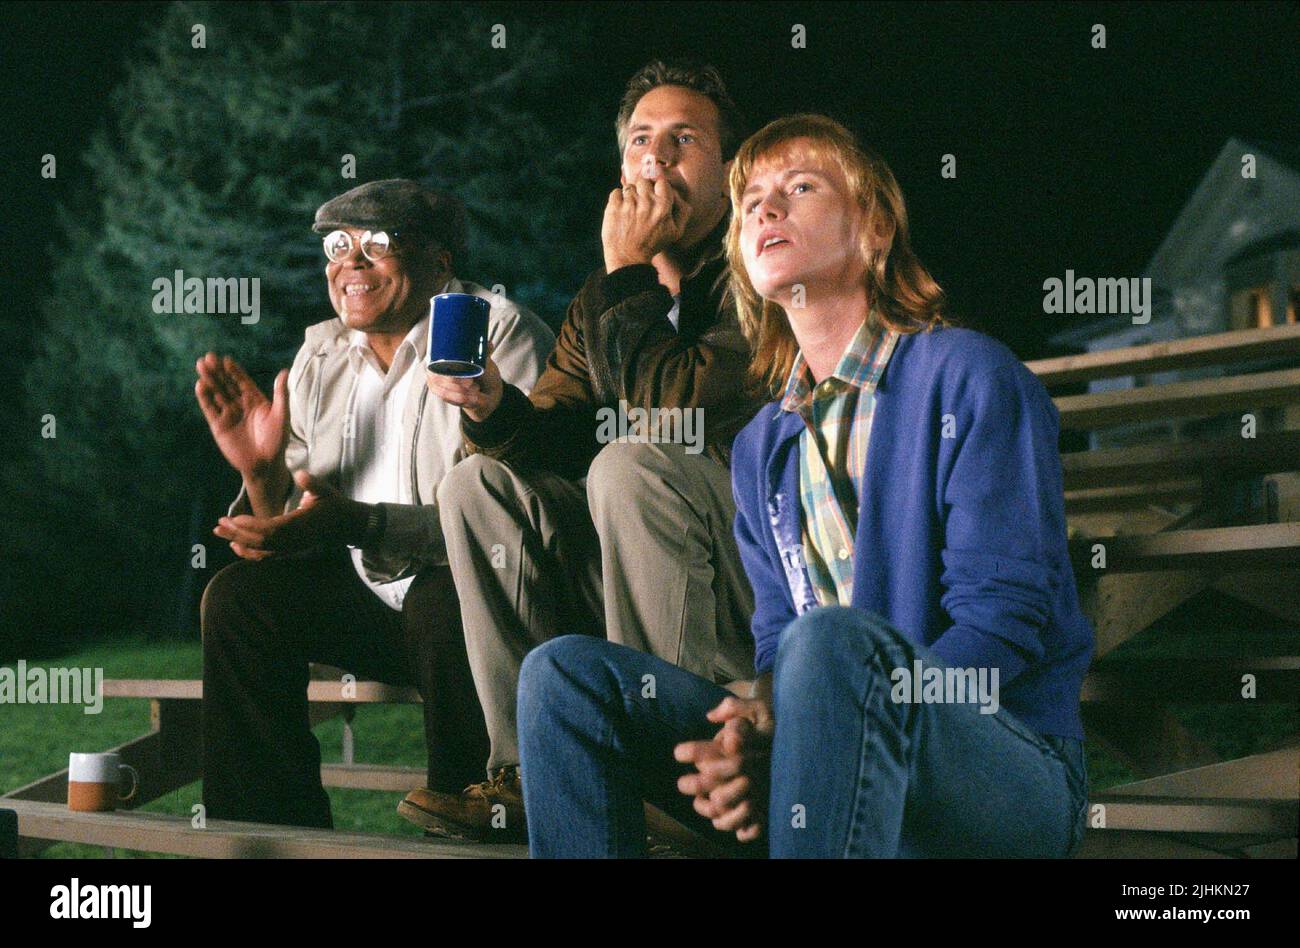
{"x": 135, "y": 783}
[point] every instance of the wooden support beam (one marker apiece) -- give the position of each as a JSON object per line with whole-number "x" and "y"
{"x": 1221, "y": 348}
{"x": 1197, "y": 398}
{"x": 1108, "y": 523}
{"x": 1268, "y": 453}
{"x": 1120, "y": 605}
{"x": 1273, "y": 775}
{"x": 372, "y": 777}
{"x": 227, "y": 839}
{"x": 1258, "y": 546}
{"x": 1274, "y": 591}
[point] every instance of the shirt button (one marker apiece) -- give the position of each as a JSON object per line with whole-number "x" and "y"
{"x": 843, "y": 554}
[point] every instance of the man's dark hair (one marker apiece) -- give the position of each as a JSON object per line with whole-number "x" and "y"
{"x": 699, "y": 77}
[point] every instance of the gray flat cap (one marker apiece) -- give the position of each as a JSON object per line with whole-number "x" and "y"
{"x": 399, "y": 205}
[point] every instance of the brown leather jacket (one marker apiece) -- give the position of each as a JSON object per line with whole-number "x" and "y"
{"x": 617, "y": 344}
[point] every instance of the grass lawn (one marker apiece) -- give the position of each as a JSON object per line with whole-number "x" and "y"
{"x": 35, "y": 739}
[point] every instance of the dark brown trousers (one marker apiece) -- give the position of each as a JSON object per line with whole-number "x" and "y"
{"x": 264, "y": 621}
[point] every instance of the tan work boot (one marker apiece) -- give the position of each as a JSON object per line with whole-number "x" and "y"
{"x": 492, "y": 811}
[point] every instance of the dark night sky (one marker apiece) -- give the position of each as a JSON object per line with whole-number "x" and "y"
{"x": 1067, "y": 157}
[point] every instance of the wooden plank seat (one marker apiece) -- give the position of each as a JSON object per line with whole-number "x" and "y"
{"x": 1258, "y": 546}
{"x": 1222, "y": 348}
{"x": 225, "y": 839}
{"x": 1267, "y": 453}
{"x": 1197, "y": 398}
{"x": 43, "y": 822}
{"x": 1130, "y": 497}
{"x": 331, "y": 692}
{"x": 228, "y": 839}
{"x": 1200, "y": 814}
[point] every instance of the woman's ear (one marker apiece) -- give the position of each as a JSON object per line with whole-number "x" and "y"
{"x": 881, "y": 233}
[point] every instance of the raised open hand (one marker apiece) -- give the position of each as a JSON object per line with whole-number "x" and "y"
{"x": 250, "y": 429}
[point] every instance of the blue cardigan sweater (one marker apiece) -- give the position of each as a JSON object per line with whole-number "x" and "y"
{"x": 961, "y": 538}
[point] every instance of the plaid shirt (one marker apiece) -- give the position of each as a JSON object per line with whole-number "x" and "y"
{"x": 833, "y": 454}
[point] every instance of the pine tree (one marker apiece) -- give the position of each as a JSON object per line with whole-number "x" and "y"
{"x": 212, "y": 161}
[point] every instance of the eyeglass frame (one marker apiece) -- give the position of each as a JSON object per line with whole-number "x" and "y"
{"x": 360, "y": 242}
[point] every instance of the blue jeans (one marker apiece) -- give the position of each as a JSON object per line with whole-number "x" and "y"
{"x": 853, "y": 772}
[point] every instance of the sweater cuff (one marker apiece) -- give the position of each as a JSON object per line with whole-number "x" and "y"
{"x": 962, "y": 646}
{"x": 626, "y": 282}
{"x": 500, "y": 426}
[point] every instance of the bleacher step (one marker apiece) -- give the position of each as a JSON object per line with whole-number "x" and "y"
{"x": 228, "y": 839}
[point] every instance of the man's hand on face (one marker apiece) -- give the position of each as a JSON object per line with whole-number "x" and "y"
{"x": 476, "y": 397}
{"x": 730, "y": 785}
{"x": 250, "y": 430}
{"x": 324, "y": 518}
{"x": 642, "y": 219}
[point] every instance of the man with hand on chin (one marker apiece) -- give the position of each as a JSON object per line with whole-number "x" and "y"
{"x": 642, "y": 552}
{"x": 898, "y": 504}
{"x": 343, "y": 560}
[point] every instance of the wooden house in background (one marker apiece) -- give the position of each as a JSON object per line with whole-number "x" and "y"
{"x": 1231, "y": 261}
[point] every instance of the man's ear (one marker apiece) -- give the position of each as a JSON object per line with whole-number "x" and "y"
{"x": 440, "y": 266}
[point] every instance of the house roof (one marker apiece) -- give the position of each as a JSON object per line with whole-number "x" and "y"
{"x": 1226, "y": 217}
{"x": 1227, "y": 213}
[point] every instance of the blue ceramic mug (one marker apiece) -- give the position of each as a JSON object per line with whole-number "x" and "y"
{"x": 458, "y": 334}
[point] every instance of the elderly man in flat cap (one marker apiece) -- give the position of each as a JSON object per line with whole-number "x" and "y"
{"x": 342, "y": 556}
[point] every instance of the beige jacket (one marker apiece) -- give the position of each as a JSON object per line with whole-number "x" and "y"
{"x": 320, "y": 390}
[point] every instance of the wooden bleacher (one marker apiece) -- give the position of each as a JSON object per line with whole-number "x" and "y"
{"x": 168, "y": 758}
{"x": 1171, "y": 523}
{"x": 1170, "y": 529}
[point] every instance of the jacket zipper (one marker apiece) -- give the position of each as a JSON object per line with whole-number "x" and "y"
{"x": 315, "y": 398}
{"x": 415, "y": 440}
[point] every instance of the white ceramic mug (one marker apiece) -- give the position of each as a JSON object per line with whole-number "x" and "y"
{"x": 95, "y": 781}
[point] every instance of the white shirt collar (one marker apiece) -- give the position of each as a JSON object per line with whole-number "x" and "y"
{"x": 412, "y": 348}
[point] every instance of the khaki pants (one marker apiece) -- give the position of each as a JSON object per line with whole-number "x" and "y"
{"x": 643, "y": 555}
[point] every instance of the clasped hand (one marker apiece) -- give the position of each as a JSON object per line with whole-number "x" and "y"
{"x": 730, "y": 785}
{"x": 323, "y": 518}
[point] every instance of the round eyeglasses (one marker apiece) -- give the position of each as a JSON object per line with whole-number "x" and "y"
{"x": 375, "y": 245}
